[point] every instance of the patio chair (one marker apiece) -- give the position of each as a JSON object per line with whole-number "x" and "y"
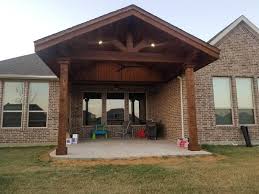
{"x": 100, "y": 129}
{"x": 126, "y": 129}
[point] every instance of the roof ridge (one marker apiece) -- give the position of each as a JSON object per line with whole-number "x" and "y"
{"x": 221, "y": 34}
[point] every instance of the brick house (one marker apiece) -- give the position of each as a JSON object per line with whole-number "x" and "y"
{"x": 131, "y": 65}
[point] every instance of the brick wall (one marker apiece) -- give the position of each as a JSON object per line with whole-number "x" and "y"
{"x": 25, "y": 134}
{"x": 239, "y": 57}
{"x": 165, "y": 106}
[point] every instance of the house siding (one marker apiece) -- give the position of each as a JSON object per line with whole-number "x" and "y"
{"x": 239, "y": 57}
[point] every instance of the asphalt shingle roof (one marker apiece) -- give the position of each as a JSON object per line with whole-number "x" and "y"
{"x": 25, "y": 66}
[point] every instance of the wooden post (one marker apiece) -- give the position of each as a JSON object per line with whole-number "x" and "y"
{"x": 191, "y": 108}
{"x": 126, "y": 102}
{"x": 129, "y": 42}
{"x": 63, "y": 108}
{"x": 86, "y": 111}
{"x": 133, "y": 110}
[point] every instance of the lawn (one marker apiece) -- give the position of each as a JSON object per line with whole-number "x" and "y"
{"x": 229, "y": 170}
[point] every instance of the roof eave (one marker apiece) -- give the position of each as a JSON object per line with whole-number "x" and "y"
{"x": 132, "y": 10}
{"x": 28, "y": 77}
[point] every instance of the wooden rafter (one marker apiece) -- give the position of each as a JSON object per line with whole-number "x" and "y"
{"x": 118, "y": 44}
{"x": 141, "y": 45}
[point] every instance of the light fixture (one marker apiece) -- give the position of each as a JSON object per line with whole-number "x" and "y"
{"x": 153, "y": 44}
{"x": 100, "y": 42}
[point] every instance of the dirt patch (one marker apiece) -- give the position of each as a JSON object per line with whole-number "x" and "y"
{"x": 137, "y": 161}
{"x": 45, "y": 157}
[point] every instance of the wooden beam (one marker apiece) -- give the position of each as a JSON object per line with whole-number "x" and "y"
{"x": 191, "y": 107}
{"x": 118, "y": 44}
{"x": 108, "y": 41}
{"x": 63, "y": 108}
{"x": 127, "y": 57}
{"x": 129, "y": 42}
{"x": 141, "y": 45}
{"x": 147, "y": 43}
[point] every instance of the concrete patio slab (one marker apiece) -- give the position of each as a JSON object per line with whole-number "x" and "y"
{"x": 125, "y": 149}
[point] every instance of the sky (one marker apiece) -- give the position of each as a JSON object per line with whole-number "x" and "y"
{"x": 24, "y": 21}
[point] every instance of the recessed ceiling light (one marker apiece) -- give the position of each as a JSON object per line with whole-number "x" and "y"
{"x": 100, "y": 42}
{"x": 153, "y": 44}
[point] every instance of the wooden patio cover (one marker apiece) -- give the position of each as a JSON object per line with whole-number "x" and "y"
{"x": 129, "y": 45}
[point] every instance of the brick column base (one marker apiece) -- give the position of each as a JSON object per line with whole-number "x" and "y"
{"x": 61, "y": 151}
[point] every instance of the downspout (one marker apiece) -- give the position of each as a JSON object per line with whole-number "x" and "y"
{"x": 181, "y": 97}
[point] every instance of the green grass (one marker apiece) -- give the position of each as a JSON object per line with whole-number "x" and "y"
{"x": 229, "y": 170}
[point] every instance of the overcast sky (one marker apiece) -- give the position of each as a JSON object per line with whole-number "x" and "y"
{"x": 23, "y": 21}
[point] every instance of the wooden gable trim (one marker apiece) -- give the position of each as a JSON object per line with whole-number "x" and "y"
{"x": 121, "y": 14}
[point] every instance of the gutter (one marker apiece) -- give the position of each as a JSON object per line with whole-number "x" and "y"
{"x": 17, "y": 76}
{"x": 181, "y": 97}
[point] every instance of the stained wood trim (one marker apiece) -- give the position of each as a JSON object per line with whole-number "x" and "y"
{"x": 118, "y": 15}
{"x": 63, "y": 108}
{"x": 191, "y": 108}
{"x": 127, "y": 57}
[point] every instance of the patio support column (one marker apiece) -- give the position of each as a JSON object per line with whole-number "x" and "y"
{"x": 191, "y": 108}
{"x": 104, "y": 112}
{"x": 142, "y": 110}
{"x": 86, "y": 111}
{"x": 133, "y": 110}
{"x": 63, "y": 107}
{"x": 126, "y": 101}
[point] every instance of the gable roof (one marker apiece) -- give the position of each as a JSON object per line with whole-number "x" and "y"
{"x": 214, "y": 40}
{"x": 125, "y": 12}
{"x": 25, "y": 67}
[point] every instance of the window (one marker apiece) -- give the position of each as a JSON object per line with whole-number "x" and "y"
{"x": 12, "y": 104}
{"x": 115, "y": 108}
{"x": 245, "y": 100}
{"x": 137, "y": 108}
{"x": 222, "y": 100}
{"x": 38, "y": 104}
{"x": 92, "y": 108}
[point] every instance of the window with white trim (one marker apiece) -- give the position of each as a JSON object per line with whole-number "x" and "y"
{"x": 222, "y": 100}
{"x": 12, "y": 104}
{"x": 245, "y": 100}
{"x": 38, "y": 104}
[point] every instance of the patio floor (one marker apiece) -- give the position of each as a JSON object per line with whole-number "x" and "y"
{"x": 124, "y": 149}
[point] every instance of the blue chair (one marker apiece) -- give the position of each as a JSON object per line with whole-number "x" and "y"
{"x": 100, "y": 129}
